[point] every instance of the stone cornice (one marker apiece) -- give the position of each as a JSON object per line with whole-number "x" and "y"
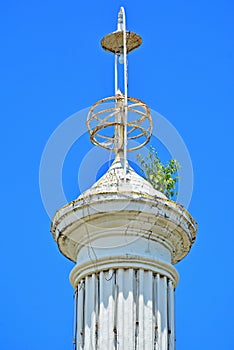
{"x": 157, "y": 219}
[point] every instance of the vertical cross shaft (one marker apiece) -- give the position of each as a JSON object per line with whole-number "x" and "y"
{"x": 121, "y": 132}
{"x": 121, "y": 42}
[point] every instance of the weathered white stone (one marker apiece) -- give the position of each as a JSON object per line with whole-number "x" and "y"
{"x": 124, "y": 237}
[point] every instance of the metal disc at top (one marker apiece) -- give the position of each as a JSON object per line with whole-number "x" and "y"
{"x": 113, "y": 42}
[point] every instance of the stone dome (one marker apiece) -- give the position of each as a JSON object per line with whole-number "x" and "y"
{"x": 126, "y": 207}
{"x": 113, "y": 181}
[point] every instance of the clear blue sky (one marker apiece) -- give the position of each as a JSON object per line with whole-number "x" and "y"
{"x": 51, "y": 66}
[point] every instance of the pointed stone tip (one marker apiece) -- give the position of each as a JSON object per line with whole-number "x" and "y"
{"x": 115, "y": 180}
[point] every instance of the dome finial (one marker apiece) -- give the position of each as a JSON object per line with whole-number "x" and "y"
{"x": 123, "y": 119}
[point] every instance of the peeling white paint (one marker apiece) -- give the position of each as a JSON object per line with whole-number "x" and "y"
{"x": 125, "y": 238}
{"x": 137, "y": 319}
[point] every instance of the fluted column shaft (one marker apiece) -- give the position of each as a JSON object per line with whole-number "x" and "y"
{"x": 124, "y": 309}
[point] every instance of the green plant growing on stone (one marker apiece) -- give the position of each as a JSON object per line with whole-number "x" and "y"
{"x": 162, "y": 177}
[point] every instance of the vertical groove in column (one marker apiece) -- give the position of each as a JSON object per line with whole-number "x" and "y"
{"x": 88, "y": 313}
{"x": 120, "y": 309}
{"x": 164, "y": 329}
{"x": 111, "y": 309}
{"x": 75, "y": 319}
{"x": 93, "y": 311}
{"x": 80, "y": 316}
{"x": 155, "y": 310}
{"x": 141, "y": 311}
{"x": 171, "y": 326}
{"x": 115, "y": 310}
{"x": 136, "y": 307}
{"x": 128, "y": 309}
{"x": 107, "y": 310}
{"x": 101, "y": 325}
{"x": 105, "y": 291}
{"x": 158, "y": 302}
{"x": 148, "y": 309}
{"x": 97, "y": 309}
